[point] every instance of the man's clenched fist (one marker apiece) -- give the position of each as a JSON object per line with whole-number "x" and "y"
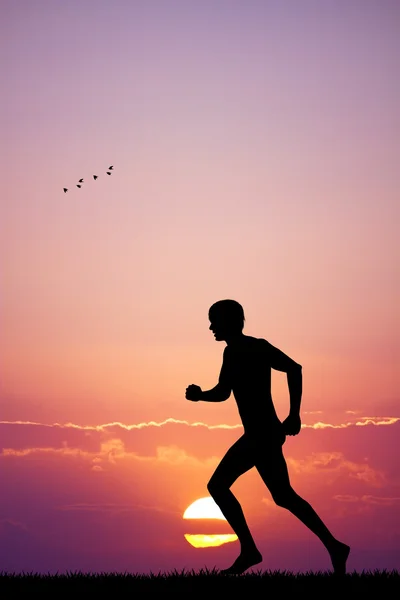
{"x": 193, "y": 392}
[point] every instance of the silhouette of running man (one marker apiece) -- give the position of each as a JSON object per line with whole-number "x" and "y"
{"x": 246, "y": 371}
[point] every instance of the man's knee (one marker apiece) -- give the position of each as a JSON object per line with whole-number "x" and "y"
{"x": 284, "y": 497}
{"x": 212, "y": 486}
{"x": 215, "y": 486}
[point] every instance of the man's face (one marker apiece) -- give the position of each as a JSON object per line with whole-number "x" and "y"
{"x": 219, "y": 328}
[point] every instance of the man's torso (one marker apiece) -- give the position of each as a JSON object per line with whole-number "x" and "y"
{"x": 247, "y": 368}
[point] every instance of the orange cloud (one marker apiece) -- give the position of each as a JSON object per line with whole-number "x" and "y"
{"x": 367, "y": 499}
{"x": 337, "y": 463}
{"x": 99, "y": 507}
{"x": 346, "y": 498}
{"x": 77, "y": 452}
{"x": 381, "y": 501}
{"x": 130, "y": 427}
{"x": 113, "y": 450}
{"x": 362, "y": 422}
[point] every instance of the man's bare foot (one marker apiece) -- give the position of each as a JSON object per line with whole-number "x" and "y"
{"x": 339, "y": 555}
{"x": 244, "y": 561}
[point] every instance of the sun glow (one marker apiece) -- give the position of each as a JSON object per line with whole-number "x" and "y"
{"x": 210, "y": 541}
{"x": 203, "y": 508}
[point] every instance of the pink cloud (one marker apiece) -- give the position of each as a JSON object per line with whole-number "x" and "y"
{"x": 335, "y": 462}
{"x": 381, "y": 501}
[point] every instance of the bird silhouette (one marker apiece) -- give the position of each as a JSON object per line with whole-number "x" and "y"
{"x": 81, "y": 180}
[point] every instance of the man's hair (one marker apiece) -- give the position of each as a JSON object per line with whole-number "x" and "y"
{"x": 228, "y": 311}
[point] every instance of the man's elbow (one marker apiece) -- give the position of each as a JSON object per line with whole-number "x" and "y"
{"x": 295, "y": 369}
{"x": 223, "y": 393}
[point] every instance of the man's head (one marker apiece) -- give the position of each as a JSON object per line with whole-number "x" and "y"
{"x": 226, "y": 319}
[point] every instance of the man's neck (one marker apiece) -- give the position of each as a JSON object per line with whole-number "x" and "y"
{"x": 235, "y": 339}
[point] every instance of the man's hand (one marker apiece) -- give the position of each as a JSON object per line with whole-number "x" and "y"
{"x": 193, "y": 392}
{"x": 292, "y": 425}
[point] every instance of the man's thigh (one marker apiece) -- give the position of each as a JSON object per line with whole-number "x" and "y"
{"x": 271, "y": 464}
{"x": 238, "y": 459}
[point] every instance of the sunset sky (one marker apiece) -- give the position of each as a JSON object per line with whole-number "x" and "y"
{"x": 255, "y": 148}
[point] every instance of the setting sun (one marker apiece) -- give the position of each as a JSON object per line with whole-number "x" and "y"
{"x": 203, "y": 508}
{"x": 210, "y": 541}
{"x": 206, "y": 508}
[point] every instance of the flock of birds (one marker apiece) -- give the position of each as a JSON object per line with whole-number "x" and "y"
{"x": 79, "y": 184}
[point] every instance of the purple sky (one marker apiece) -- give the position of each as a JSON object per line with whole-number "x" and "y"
{"x": 255, "y": 147}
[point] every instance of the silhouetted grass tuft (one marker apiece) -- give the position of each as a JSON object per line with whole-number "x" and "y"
{"x": 204, "y": 581}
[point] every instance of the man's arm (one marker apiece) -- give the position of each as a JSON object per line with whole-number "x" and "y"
{"x": 281, "y": 362}
{"x": 295, "y": 385}
{"x": 219, "y": 393}
{"x": 216, "y": 394}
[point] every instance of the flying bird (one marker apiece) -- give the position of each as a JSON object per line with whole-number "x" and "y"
{"x": 80, "y": 181}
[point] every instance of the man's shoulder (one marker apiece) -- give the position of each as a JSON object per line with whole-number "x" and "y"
{"x": 262, "y": 342}
{"x": 262, "y": 348}
{"x": 258, "y": 345}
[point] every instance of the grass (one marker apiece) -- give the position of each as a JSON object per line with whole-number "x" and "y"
{"x": 204, "y": 582}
